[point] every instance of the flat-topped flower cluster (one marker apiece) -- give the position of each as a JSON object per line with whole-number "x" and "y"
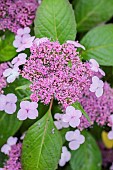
{"x": 56, "y": 70}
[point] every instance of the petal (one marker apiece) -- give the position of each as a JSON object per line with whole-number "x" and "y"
{"x": 92, "y": 88}
{"x": 65, "y": 118}
{"x": 110, "y": 135}
{"x": 15, "y": 60}
{"x": 76, "y": 44}
{"x": 95, "y": 80}
{"x": 5, "y": 149}
{"x": 33, "y": 105}
{"x": 69, "y": 136}
{"x": 22, "y": 114}
{"x": 17, "y": 43}
{"x": 25, "y": 104}
{"x": 76, "y": 134}
{"x": 12, "y": 141}
{"x": 7, "y": 72}
{"x": 74, "y": 122}
{"x": 73, "y": 145}
{"x": 65, "y": 124}
{"x": 102, "y": 72}
{"x": 78, "y": 113}
{"x": 11, "y": 98}
{"x": 58, "y": 125}
{"x": 58, "y": 116}
{"x": 21, "y": 48}
{"x": 11, "y": 79}
{"x": 32, "y": 114}
{"x": 70, "y": 110}
{"x": 20, "y": 31}
{"x": 62, "y": 162}
{"x": 81, "y": 139}
{"x": 94, "y": 62}
{"x": 2, "y": 102}
{"x": 26, "y": 30}
{"x": 10, "y": 108}
{"x": 99, "y": 92}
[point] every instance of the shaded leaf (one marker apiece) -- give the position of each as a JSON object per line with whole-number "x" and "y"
{"x": 90, "y": 13}
{"x": 7, "y": 50}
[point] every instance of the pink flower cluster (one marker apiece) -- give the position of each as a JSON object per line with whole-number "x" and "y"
{"x": 98, "y": 109}
{"x": 3, "y": 82}
{"x": 14, "y": 158}
{"x": 17, "y": 14}
{"x": 56, "y": 71}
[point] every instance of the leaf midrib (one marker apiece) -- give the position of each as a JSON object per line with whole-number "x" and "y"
{"x": 43, "y": 138}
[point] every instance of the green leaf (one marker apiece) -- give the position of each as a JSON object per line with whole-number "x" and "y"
{"x": 88, "y": 156}
{"x": 55, "y": 20}
{"x": 42, "y": 145}
{"x": 99, "y": 45}
{"x": 78, "y": 106}
{"x": 2, "y": 159}
{"x": 90, "y": 13}
{"x": 9, "y": 124}
{"x": 7, "y": 50}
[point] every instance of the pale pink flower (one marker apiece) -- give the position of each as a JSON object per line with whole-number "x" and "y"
{"x": 110, "y": 133}
{"x": 59, "y": 123}
{"x": 7, "y": 147}
{"x": 7, "y": 103}
{"x": 23, "y": 31}
{"x": 75, "y": 139}
{"x": 11, "y": 74}
{"x": 19, "y": 60}
{"x": 65, "y": 156}
{"x": 76, "y": 44}
{"x": 97, "y": 86}
{"x": 72, "y": 116}
{"x": 95, "y": 66}
{"x": 28, "y": 110}
{"x": 38, "y": 41}
{"x": 23, "y": 39}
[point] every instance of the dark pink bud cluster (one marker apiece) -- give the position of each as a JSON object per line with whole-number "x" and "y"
{"x": 15, "y": 14}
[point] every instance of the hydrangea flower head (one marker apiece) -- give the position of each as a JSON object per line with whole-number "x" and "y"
{"x": 56, "y": 71}
{"x": 98, "y": 109}
{"x": 7, "y": 147}
{"x": 72, "y": 116}
{"x": 8, "y": 103}
{"x": 23, "y": 39}
{"x": 19, "y": 60}
{"x": 59, "y": 122}
{"x": 75, "y": 139}
{"x": 17, "y": 14}
{"x": 11, "y": 74}
{"x": 97, "y": 86}
{"x": 28, "y": 110}
{"x": 95, "y": 66}
{"x": 14, "y": 161}
{"x": 65, "y": 156}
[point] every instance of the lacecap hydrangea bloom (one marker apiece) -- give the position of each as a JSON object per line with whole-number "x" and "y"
{"x": 14, "y": 162}
{"x": 56, "y": 70}
{"x": 17, "y": 14}
{"x": 3, "y": 81}
{"x": 98, "y": 109}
